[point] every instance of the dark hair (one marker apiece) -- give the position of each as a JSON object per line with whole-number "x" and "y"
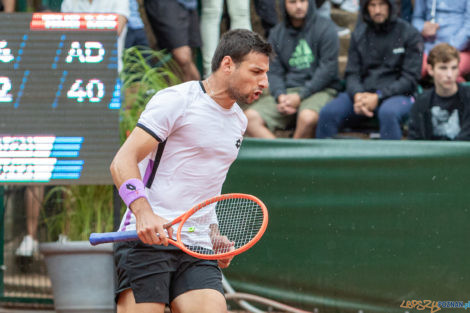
{"x": 444, "y": 53}
{"x": 237, "y": 43}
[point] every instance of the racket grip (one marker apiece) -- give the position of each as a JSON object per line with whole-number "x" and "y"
{"x": 97, "y": 238}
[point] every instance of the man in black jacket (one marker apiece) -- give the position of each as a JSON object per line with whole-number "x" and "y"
{"x": 442, "y": 112}
{"x": 303, "y": 76}
{"x": 384, "y": 63}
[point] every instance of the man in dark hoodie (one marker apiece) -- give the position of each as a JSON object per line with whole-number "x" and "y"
{"x": 302, "y": 76}
{"x": 442, "y": 112}
{"x": 384, "y": 63}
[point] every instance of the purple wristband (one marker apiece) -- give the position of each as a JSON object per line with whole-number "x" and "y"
{"x": 131, "y": 190}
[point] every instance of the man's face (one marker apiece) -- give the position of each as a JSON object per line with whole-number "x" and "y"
{"x": 445, "y": 75}
{"x": 297, "y": 9}
{"x": 378, "y": 11}
{"x": 249, "y": 78}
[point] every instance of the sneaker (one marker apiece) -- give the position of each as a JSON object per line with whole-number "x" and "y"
{"x": 342, "y": 31}
{"x": 28, "y": 247}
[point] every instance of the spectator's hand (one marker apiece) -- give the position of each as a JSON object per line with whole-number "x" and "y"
{"x": 284, "y": 106}
{"x": 429, "y": 29}
{"x": 288, "y": 104}
{"x": 365, "y": 103}
{"x": 293, "y": 100}
{"x": 281, "y": 98}
{"x": 358, "y": 104}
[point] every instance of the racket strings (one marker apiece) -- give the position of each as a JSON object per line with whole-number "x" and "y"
{"x": 227, "y": 225}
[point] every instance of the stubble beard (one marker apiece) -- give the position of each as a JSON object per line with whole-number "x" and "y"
{"x": 237, "y": 96}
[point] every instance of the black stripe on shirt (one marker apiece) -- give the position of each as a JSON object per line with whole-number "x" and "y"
{"x": 149, "y": 131}
{"x": 202, "y": 86}
{"x": 158, "y": 157}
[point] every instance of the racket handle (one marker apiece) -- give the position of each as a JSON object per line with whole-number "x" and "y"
{"x": 97, "y": 238}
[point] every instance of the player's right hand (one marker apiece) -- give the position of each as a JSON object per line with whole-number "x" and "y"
{"x": 149, "y": 226}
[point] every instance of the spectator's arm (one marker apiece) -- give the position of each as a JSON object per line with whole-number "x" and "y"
{"x": 465, "y": 122}
{"x": 276, "y": 74}
{"x": 123, "y": 10}
{"x": 353, "y": 70}
{"x": 464, "y": 131}
{"x": 461, "y": 39}
{"x": 8, "y": 6}
{"x": 122, "y": 21}
{"x": 327, "y": 70}
{"x": 419, "y": 15}
{"x": 410, "y": 69}
{"x": 414, "y": 122}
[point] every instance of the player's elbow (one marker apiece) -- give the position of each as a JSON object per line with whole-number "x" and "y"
{"x": 114, "y": 167}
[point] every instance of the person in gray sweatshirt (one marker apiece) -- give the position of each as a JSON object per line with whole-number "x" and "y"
{"x": 303, "y": 75}
{"x": 384, "y": 64}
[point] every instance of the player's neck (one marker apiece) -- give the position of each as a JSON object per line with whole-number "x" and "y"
{"x": 218, "y": 92}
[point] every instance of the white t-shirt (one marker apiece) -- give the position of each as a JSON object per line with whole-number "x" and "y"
{"x": 200, "y": 140}
{"x": 120, "y": 7}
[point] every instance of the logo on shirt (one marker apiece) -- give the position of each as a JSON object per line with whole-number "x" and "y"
{"x": 302, "y": 57}
{"x": 399, "y": 50}
{"x": 238, "y": 143}
{"x": 445, "y": 123}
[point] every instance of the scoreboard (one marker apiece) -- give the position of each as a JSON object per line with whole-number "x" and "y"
{"x": 59, "y": 98}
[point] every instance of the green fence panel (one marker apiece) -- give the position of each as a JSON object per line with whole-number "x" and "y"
{"x": 356, "y": 225}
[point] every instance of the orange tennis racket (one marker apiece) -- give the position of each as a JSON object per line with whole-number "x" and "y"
{"x": 218, "y": 228}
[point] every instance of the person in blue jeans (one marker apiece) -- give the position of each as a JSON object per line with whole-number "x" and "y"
{"x": 384, "y": 63}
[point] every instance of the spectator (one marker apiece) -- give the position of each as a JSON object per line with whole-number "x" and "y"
{"x": 239, "y": 12}
{"x": 175, "y": 23}
{"x": 384, "y": 62}
{"x": 33, "y": 197}
{"x": 121, "y": 8}
{"x": 303, "y": 75}
{"x": 405, "y": 9}
{"x": 267, "y": 12}
{"x": 351, "y": 6}
{"x": 444, "y": 21}
{"x": 324, "y": 9}
{"x": 136, "y": 35}
{"x": 442, "y": 112}
{"x": 7, "y": 6}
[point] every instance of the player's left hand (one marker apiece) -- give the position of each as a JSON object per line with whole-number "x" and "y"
{"x": 221, "y": 244}
{"x": 224, "y": 263}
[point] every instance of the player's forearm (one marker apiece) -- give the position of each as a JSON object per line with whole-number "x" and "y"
{"x": 123, "y": 168}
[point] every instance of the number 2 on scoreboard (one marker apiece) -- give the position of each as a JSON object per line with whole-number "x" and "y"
{"x": 5, "y": 87}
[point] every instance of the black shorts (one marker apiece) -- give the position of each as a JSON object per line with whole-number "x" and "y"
{"x": 159, "y": 274}
{"x": 174, "y": 26}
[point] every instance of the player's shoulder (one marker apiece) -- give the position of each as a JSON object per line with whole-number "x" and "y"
{"x": 183, "y": 89}
{"x": 182, "y": 93}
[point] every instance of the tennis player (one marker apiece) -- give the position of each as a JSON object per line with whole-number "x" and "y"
{"x": 178, "y": 156}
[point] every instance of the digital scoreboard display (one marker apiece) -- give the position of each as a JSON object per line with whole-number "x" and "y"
{"x": 59, "y": 98}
